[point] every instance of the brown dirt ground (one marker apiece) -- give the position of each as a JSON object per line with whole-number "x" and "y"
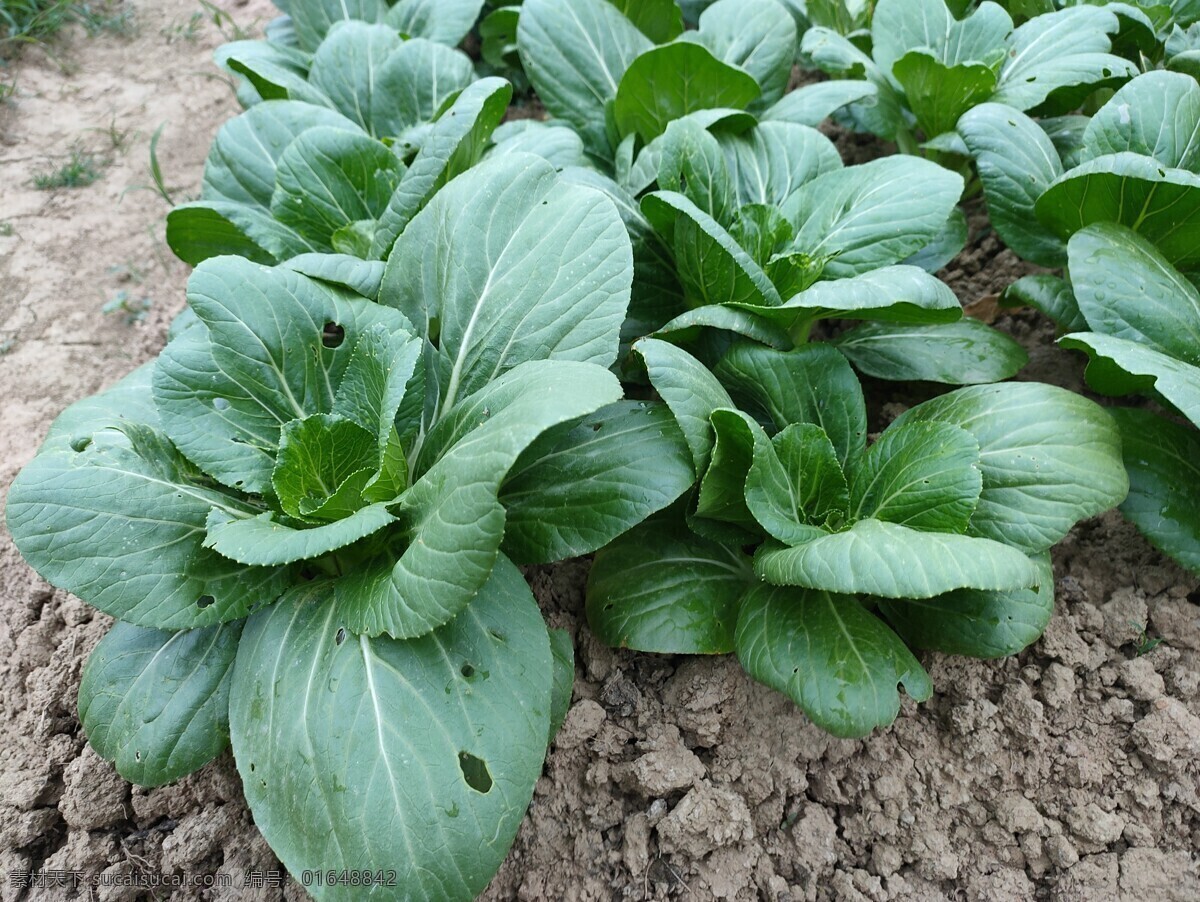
{"x": 1070, "y": 772}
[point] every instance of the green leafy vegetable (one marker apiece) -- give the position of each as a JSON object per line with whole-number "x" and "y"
{"x": 935, "y": 534}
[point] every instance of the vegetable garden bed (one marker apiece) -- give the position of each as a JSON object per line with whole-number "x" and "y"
{"x": 388, "y": 474}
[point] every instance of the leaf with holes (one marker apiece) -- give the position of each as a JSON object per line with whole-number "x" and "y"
{"x": 371, "y": 755}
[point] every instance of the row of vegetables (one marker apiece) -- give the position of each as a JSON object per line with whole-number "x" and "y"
{"x": 424, "y": 344}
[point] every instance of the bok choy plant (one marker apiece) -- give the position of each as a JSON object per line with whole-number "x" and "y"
{"x": 288, "y": 178}
{"x": 302, "y": 516}
{"x": 1143, "y": 318}
{"x": 619, "y": 73}
{"x": 770, "y": 234}
{"x": 929, "y": 67}
{"x": 935, "y": 536}
{"x": 306, "y": 23}
{"x": 1136, "y": 162}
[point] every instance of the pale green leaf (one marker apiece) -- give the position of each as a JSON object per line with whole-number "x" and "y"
{"x": 689, "y": 390}
{"x": 1127, "y": 289}
{"x": 454, "y": 143}
{"x": 483, "y": 304}
{"x": 921, "y": 475}
{"x": 772, "y": 161}
{"x": 1063, "y": 49}
{"x": 758, "y": 36}
{"x": 373, "y": 755}
{"x": 575, "y": 53}
{"x": 444, "y": 21}
{"x": 1049, "y": 458}
{"x": 874, "y": 557}
{"x": 974, "y": 622}
{"x": 452, "y": 519}
{"x": 1016, "y": 162}
{"x": 851, "y": 213}
{"x": 132, "y": 513}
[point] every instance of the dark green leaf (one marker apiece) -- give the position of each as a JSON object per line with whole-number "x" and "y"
{"x": 824, "y": 651}
{"x": 659, "y": 20}
{"x": 1162, "y": 204}
{"x": 329, "y": 178}
{"x": 1119, "y": 366}
{"x": 1163, "y": 460}
{"x": 692, "y": 165}
{"x": 661, "y": 588}
{"x": 796, "y": 484}
{"x": 1049, "y": 294}
{"x": 938, "y": 94}
{"x": 722, "y": 494}
{"x": 711, "y": 265}
{"x": 452, "y": 511}
{"x": 668, "y": 82}
{"x": 562, "y": 648}
{"x": 812, "y": 384}
{"x": 974, "y": 622}
{"x": 156, "y": 704}
{"x": 964, "y": 352}
{"x": 261, "y": 359}
{"x": 581, "y": 485}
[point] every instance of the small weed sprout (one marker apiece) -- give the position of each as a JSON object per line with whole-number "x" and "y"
{"x": 1143, "y": 644}
{"x": 226, "y": 24}
{"x": 80, "y": 170}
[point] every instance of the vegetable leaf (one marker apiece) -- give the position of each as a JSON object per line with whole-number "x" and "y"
{"x": 662, "y": 588}
{"x": 154, "y": 737}
{"x": 427, "y": 750}
{"x": 835, "y": 660}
